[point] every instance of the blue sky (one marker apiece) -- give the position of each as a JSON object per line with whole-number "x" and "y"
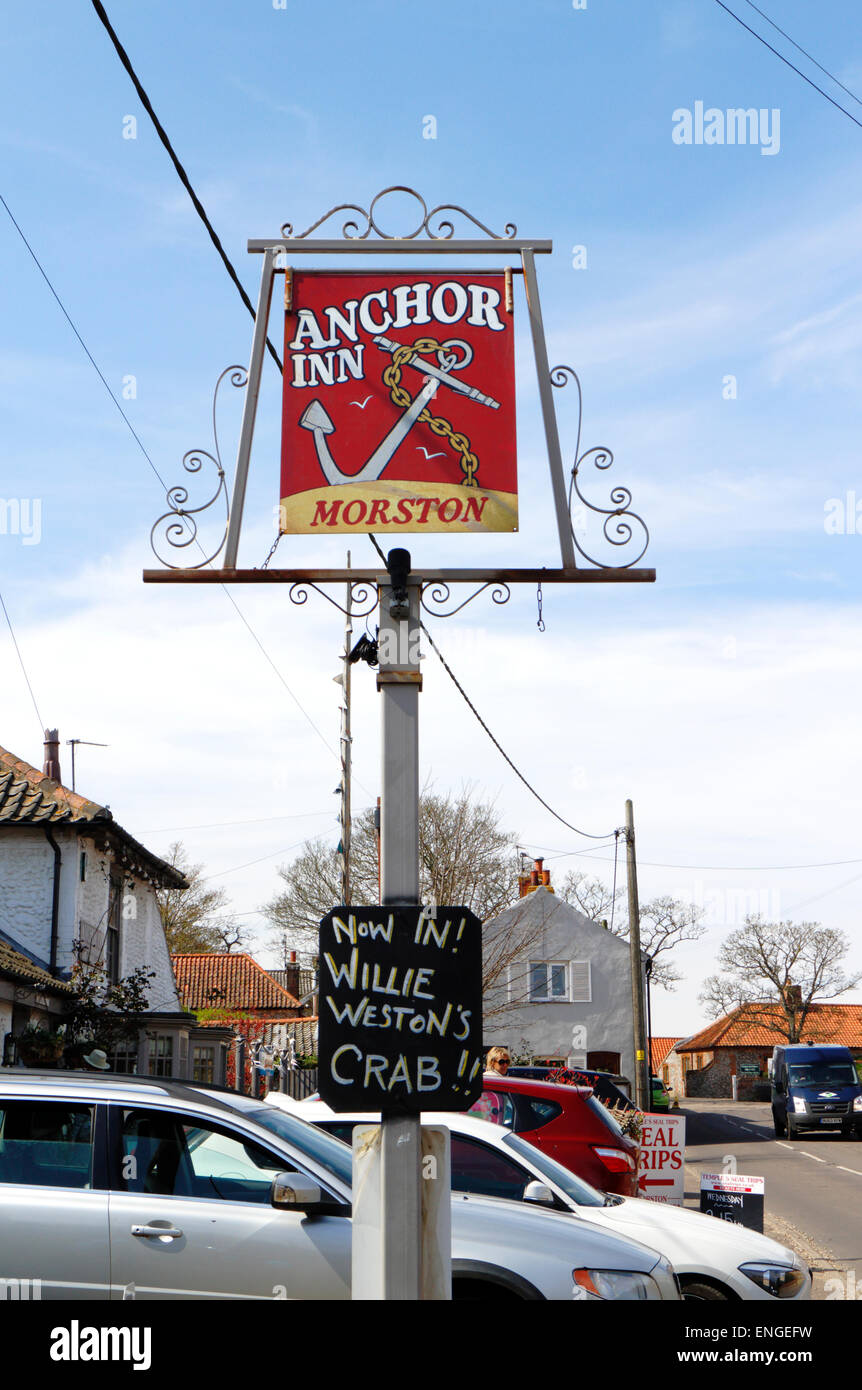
{"x": 723, "y": 699}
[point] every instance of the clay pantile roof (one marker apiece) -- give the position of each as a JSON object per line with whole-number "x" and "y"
{"x": 659, "y": 1048}
{"x": 228, "y": 980}
{"x": 27, "y": 796}
{"x": 756, "y": 1025}
{"x": 20, "y": 968}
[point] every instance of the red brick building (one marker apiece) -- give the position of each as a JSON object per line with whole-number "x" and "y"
{"x": 228, "y": 986}
{"x": 740, "y": 1045}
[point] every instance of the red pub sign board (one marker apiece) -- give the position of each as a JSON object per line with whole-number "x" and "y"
{"x": 399, "y": 403}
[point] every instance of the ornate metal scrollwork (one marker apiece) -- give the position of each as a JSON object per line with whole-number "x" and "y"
{"x": 439, "y": 593}
{"x": 353, "y": 230}
{"x": 179, "y": 527}
{"x": 363, "y": 596}
{"x": 617, "y": 526}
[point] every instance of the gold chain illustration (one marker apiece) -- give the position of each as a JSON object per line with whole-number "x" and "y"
{"x": 401, "y": 397}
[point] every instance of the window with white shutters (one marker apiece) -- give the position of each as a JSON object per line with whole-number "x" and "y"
{"x": 580, "y": 982}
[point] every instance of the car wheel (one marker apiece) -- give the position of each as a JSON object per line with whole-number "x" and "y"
{"x": 698, "y": 1292}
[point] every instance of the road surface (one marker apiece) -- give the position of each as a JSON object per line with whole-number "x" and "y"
{"x": 813, "y": 1188}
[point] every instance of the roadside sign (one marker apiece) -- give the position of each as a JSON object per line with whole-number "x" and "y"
{"x": 399, "y": 403}
{"x": 400, "y": 1009}
{"x": 733, "y": 1197}
{"x": 661, "y": 1171}
{"x": 749, "y": 1068}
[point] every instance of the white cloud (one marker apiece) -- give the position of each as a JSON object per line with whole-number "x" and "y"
{"x": 735, "y": 732}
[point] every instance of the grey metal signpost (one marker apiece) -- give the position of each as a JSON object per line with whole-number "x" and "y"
{"x": 399, "y": 683}
{"x": 394, "y": 1269}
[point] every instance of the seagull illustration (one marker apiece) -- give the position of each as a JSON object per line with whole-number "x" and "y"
{"x": 430, "y": 456}
{"x": 361, "y": 404}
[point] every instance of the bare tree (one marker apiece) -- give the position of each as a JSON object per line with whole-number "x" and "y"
{"x": 230, "y": 934}
{"x": 774, "y": 972}
{"x": 465, "y": 858}
{"x": 591, "y": 896}
{"x": 190, "y": 915}
{"x": 665, "y": 922}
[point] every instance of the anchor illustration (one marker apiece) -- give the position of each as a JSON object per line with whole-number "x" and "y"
{"x": 317, "y": 419}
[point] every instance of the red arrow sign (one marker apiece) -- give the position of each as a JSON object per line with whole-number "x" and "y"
{"x": 644, "y": 1181}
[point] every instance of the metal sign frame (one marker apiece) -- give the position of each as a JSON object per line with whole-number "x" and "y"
{"x": 433, "y": 235}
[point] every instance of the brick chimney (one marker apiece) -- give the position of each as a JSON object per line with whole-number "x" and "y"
{"x": 538, "y": 877}
{"x": 51, "y": 765}
{"x": 291, "y": 975}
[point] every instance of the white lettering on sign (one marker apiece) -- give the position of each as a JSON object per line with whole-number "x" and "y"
{"x": 661, "y": 1171}
{"x": 380, "y": 310}
{"x": 371, "y": 1069}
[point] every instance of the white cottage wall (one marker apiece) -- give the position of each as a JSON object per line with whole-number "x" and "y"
{"x": 555, "y": 931}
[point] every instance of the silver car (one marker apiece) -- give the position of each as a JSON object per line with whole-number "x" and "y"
{"x": 130, "y": 1187}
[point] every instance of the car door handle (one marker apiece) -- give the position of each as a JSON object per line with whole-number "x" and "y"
{"x": 169, "y": 1232}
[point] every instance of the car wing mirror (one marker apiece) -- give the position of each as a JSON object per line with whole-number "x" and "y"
{"x": 294, "y": 1192}
{"x": 539, "y": 1193}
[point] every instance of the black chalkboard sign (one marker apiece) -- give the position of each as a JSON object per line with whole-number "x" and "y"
{"x": 733, "y": 1197}
{"x": 400, "y": 1009}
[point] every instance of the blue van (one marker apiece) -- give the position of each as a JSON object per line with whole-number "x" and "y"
{"x": 816, "y": 1087}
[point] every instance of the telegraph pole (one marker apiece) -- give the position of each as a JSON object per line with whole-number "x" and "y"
{"x": 642, "y": 1085}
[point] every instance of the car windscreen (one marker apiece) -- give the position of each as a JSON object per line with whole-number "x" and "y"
{"x": 320, "y": 1147}
{"x": 822, "y": 1074}
{"x": 575, "y": 1188}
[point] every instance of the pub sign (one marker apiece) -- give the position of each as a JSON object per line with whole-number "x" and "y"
{"x": 399, "y": 403}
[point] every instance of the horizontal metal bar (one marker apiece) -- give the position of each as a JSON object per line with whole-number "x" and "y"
{"x": 377, "y": 576}
{"x": 417, "y": 270}
{"x": 349, "y": 246}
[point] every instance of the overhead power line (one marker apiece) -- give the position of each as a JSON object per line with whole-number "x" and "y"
{"x": 788, "y": 63}
{"x": 220, "y": 873}
{"x": 716, "y": 868}
{"x": 800, "y": 49}
{"x": 94, "y": 364}
{"x": 23, "y": 667}
{"x": 219, "y": 824}
{"x": 183, "y": 176}
{"x": 531, "y": 789}
{"x": 158, "y": 475}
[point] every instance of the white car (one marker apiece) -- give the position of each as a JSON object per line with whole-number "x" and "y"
{"x": 713, "y": 1259}
{"x": 128, "y": 1187}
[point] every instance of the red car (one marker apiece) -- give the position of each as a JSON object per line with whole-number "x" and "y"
{"x": 568, "y": 1124}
